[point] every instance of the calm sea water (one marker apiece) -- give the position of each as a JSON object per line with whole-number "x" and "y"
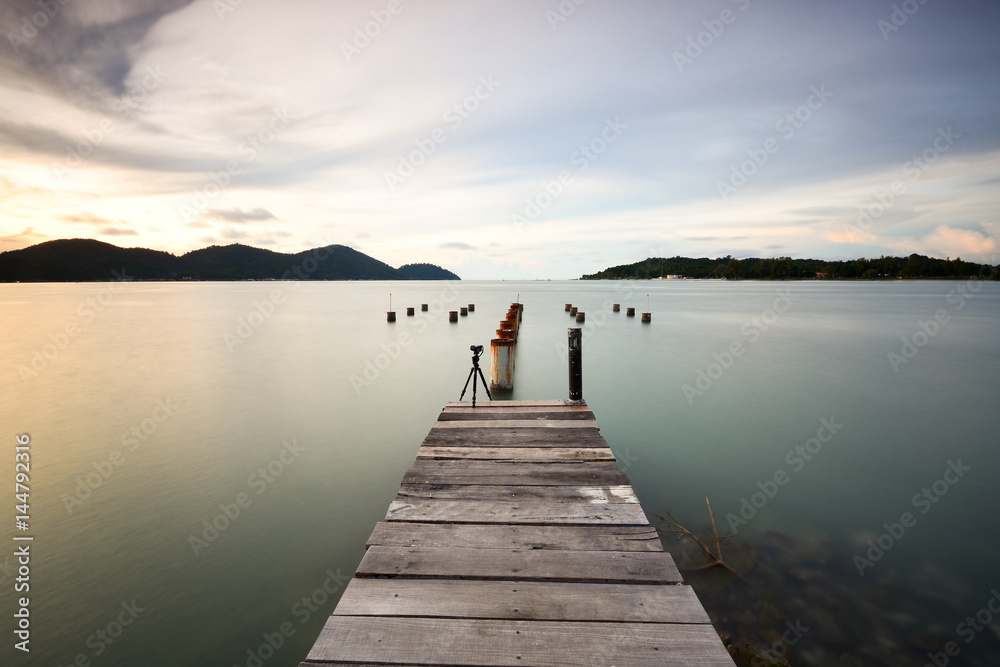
{"x": 168, "y": 406}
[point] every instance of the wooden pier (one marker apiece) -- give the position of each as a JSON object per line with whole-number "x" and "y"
{"x": 515, "y": 539}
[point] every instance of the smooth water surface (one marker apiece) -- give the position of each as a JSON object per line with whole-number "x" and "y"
{"x": 297, "y": 406}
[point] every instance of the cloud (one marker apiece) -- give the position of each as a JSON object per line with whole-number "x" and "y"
{"x": 240, "y": 215}
{"x": 117, "y": 231}
{"x": 456, "y": 245}
{"x": 27, "y": 237}
{"x": 715, "y": 238}
{"x": 950, "y": 242}
{"x": 230, "y": 233}
{"x": 84, "y": 218}
{"x": 83, "y": 50}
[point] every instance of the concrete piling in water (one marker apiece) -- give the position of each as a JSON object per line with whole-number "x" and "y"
{"x": 423, "y": 307}
{"x": 647, "y": 318}
{"x": 616, "y": 307}
{"x": 630, "y": 312}
{"x": 390, "y": 316}
{"x": 575, "y": 364}
{"x": 580, "y": 317}
{"x": 573, "y": 311}
{"x": 453, "y": 316}
{"x": 409, "y": 312}
{"x": 501, "y": 364}
{"x": 568, "y": 306}
{"x": 464, "y": 311}
{"x": 472, "y": 307}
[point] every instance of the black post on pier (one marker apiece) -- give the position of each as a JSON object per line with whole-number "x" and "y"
{"x": 575, "y": 365}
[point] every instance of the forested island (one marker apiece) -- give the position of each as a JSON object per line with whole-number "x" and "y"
{"x": 73, "y": 260}
{"x": 785, "y": 268}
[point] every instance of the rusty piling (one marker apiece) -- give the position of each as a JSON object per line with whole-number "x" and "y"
{"x": 575, "y": 344}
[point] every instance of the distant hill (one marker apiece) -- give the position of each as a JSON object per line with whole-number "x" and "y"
{"x": 782, "y": 268}
{"x": 71, "y": 260}
{"x": 426, "y": 272}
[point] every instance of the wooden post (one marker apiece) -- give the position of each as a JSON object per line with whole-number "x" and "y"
{"x": 617, "y": 307}
{"x": 464, "y": 311}
{"x": 390, "y": 316}
{"x": 580, "y": 317}
{"x": 575, "y": 365}
{"x": 472, "y": 307}
{"x": 453, "y": 316}
{"x": 423, "y": 307}
{"x": 573, "y": 311}
{"x": 409, "y": 312}
{"x": 501, "y": 364}
{"x": 568, "y": 306}
{"x": 630, "y": 312}
{"x": 647, "y": 318}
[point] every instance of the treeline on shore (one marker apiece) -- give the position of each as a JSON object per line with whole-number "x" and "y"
{"x": 785, "y": 268}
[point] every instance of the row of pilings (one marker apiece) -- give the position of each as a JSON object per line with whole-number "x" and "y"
{"x": 453, "y": 315}
{"x": 502, "y": 350}
{"x": 574, "y": 311}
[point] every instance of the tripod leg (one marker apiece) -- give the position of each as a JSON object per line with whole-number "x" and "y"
{"x": 473, "y": 386}
{"x": 485, "y": 385}
{"x": 467, "y": 385}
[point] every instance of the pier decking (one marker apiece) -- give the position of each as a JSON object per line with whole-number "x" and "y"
{"x": 515, "y": 539}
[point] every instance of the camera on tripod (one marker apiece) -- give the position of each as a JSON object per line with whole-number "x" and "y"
{"x": 474, "y": 374}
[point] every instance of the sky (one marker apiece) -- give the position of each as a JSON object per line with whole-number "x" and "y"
{"x": 505, "y": 139}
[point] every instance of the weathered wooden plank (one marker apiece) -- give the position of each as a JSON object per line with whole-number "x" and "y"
{"x": 523, "y": 600}
{"x": 590, "y": 494}
{"x": 502, "y": 407}
{"x": 518, "y": 453}
{"x": 528, "y": 511}
{"x": 505, "y": 415}
{"x": 438, "y": 641}
{"x": 517, "y": 437}
{"x": 585, "y": 473}
{"x": 519, "y": 423}
{"x": 582, "y": 566}
{"x": 484, "y": 536}
{"x": 515, "y": 404}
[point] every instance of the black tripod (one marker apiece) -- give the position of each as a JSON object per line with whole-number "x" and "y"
{"x": 477, "y": 351}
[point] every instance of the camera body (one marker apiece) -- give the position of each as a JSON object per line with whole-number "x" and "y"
{"x": 476, "y": 349}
